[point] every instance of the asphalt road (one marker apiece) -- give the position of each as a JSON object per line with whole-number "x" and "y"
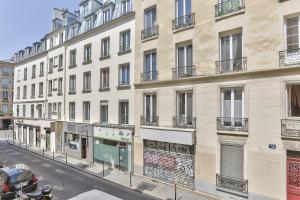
{"x": 67, "y": 182}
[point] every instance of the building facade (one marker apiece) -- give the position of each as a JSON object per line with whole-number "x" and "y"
{"x": 216, "y": 96}
{"x": 6, "y": 97}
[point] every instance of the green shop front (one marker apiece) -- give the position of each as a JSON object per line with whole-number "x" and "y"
{"x": 113, "y": 147}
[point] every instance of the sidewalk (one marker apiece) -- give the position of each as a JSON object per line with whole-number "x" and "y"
{"x": 139, "y": 183}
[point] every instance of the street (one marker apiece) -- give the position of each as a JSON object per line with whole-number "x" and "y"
{"x": 67, "y": 182}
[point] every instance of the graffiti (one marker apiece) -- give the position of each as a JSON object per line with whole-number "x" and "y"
{"x": 173, "y": 163}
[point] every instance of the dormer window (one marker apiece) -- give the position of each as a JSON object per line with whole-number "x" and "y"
{"x": 73, "y": 31}
{"x": 125, "y": 7}
{"x": 90, "y": 23}
{"x": 106, "y": 15}
{"x": 51, "y": 42}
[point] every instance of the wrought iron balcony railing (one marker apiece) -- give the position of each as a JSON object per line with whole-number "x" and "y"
{"x": 232, "y": 124}
{"x": 232, "y": 65}
{"x": 290, "y": 128}
{"x": 183, "y": 21}
{"x": 149, "y": 76}
{"x": 124, "y": 83}
{"x": 124, "y": 48}
{"x": 105, "y": 54}
{"x": 123, "y": 119}
{"x": 184, "y": 122}
{"x": 233, "y": 184}
{"x": 104, "y": 86}
{"x": 289, "y": 57}
{"x": 228, "y": 7}
{"x": 150, "y": 32}
{"x": 184, "y": 72}
{"x": 148, "y": 120}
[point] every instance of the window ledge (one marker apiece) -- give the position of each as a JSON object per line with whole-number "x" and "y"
{"x": 86, "y": 91}
{"x": 150, "y": 38}
{"x": 183, "y": 28}
{"x": 120, "y": 53}
{"x": 87, "y": 62}
{"x": 123, "y": 87}
{"x": 59, "y": 94}
{"x": 104, "y": 89}
{"x": 72, "y": 66}
{"x": 49, "y": 95}
{"x": 104, "y": 57}
{"x": 33, "y": 77}
{"x": 41, "y": 96}
{"x": 41, "y": 75}
{"x": 60, "y": 69}
{"x": 50, "y": 72}
{"x": 233, "y": 133}
{"x": 72, "y": 93}
{"x": 238, "y": 12}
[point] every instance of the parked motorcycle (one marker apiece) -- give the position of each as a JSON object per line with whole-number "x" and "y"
{"x": 43, "y": 194}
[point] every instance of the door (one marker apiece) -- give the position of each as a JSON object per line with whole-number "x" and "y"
{"x": 83, "y": 147}
{"x": 30, "y": 136}
{"x": 38, "y": 138}
{"x": 293, "y": 178}
{"x": 25, "y": 135}
{"x": 123, "y": 156}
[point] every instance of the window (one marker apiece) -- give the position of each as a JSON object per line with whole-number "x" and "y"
{"x": 5, "y": 71}
{"x": 18, "y": 110}
{"x": 5, "y": 95}
{"x": 59, "y": 110}
{"x": 150, "y": 17}
{"x": 71, "y": 110}
{"x": 292, "y": 33}
{"x": 5, "y": 83}
{"x": 124, "y": 75}
{"x": 51, "y": 64}
{"x": 33, "y": 71}
{"x": 231, "y": 53}
{"x": 18, "y": 92}
{"x": 293, "y": 92}
{"x": 105, "y": 46}
{"x": 61, "y": 38}
{"x": 49, "y": 110}
{"x": 25, "y": 74}
{"x": 184, "y": 108}
{"x": 42, "y": 69}
{"x": 232, "y": 161}
{"x": 32, "y": 111}
{"x": 60, "y": 61}
{"x": 87, "y": 81}
{"x": 51, "y": 42}
{"x": 5, "y": 108}
{"x": 150, "y": 69}
{"x": 72, "y": 141}
{"x": 232, "y": 106}
{"x": 24, "y": 92}
{"x": 50, "y": 87}
{"x": 32, "y": 90}
{"x": 86, "y": 111}
{"x": 41, "y": 89}
{"x": 104, "y": 112}
{"x": 73, "y": 58}
{"x": 90, "y": 23}
{"x": 183, "y": 8}
{"x": 125, "y": 7}
{"x": 73, "y": 31}
{"x": 123, "y": 112}
{"x": 185, "y": 61}
{"x": 60, "y": 83}
{"x": 150, "y": 109}
{"x": 19, "y": 75}
{"x": 72, "y": 83}
{"x": 87, "y": 53}
{"x": 24, "y": 110}
{"x": 54, "y": 108}
{"x": 106, "y": 15}
{"x": 104, "y": 78}
{"x": 55, "y": 61}
{"x": 39, "y": 108}
{"x": 125, "y": 41}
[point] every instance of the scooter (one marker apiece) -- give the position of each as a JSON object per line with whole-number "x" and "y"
{"x": 43, "y": 194}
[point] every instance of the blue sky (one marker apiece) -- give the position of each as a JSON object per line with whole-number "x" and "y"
{"x": 24, "y": 22}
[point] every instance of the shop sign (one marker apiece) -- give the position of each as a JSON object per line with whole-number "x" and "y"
{"x": 82, "y": 128}
{"x": 71, "y": 127}
{"x": 122, "y": 135}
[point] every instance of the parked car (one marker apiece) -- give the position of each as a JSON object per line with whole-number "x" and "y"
{"x": 15, "y": 178}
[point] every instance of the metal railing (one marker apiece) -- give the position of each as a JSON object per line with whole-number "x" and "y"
{"x": 104, "y": 86}
{"x": 150, "y": 32}
{"x": 183, "y": 21}
{"x": 105, "y": 54}
{"x": 234, "y": 184}
{"x": 149, "y": 76}
{"x": 290, "y": 128}
{"x": 124, "y": 48}
{"x": 232, "y": 124}
{"x": 124, "y": 83}
{"x": 232, "y": 65}
{"x": 87, "y": 59}
{"x": 289, "y": 57}
{"x": 148, "y": 120}
{"x": 228, "y": 7}
{"x": 123, "y": 119}
{"x": 183, "y": 72}
{"x": 184, "y": 122}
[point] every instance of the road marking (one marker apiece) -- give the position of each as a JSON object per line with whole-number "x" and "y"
{"x": 59, "y": 171}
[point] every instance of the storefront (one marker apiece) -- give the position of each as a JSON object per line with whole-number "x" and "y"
{"x": 113, "y": 146}
{"x": 38, "y": 137}
{"x": 78, "y": 140}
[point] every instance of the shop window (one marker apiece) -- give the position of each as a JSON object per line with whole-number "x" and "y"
{"x": 72, "y": 141}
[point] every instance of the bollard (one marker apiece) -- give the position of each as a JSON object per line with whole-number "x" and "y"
{"x": 102, "y": 168}
{"x": 20, "y": 143}
{"x": 26, "y": 145}
{"x": 53, "y": 154}
{"x": 66, "y": 158}
{"x": 130, "y": 178}
{"x": 43, "y": 151}
{"x": 175, "y": 192}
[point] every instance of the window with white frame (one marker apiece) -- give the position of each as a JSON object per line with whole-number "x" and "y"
{"x": 125, "y": 41}
{"x": 32, "y": 90}
{"x": 86, "y": 111}
{"x": 87, "y": 81}
{"x": 72, "y": 83}
{"x": 184, "y": 60}
{"x": 55, "y": 61}
{"x": 150, "y": 108}
{"x": 72, "y": 110}
{"x": 106, "y": 15}
{"x": 292, "y": 33}
{"x": 41, "y": 89}
{"x": 18, "y": 110}
{"x": 184, "y": 107}
{"x": 49, "y": 110}
{"x": 88, "y": 53}
{"x": 124, "y": 74}
{"x": 18, "y": 92}
{"x": 73, "y": 58}
{"x": 105, "y": 47}
{"x": 39, "y": 109}
{"x": 60, "y": 85}
{"x": 232, "y": 106}
{"x": 51, "y": 64}
{"x": 125, "y": 6}
{"x": 104, "y": 78}
{"x": 33, "y": 71}
{"x": 150, "y": 68}
{"x": 123, "y": 112}
{"x": 60, "y": 60}
{"x": 24, "y": 91}
{"x": 42, "y": 69}
{"x": 104, "y": 112}
{"x": 24, "y": 110}
{"x": 73, "y": 31}
{"x": 50, "y": 87}
{"x": 25, "y": 74}
{"x": 32, "y": 110}
{"x": 89, "y": 23}
{"x": 150, "y": 17}
{"x": 183, "y": 8}
{"x": 59, "y": 110}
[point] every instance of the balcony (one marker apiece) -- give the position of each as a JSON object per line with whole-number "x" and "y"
{"x": 183, "y": 22}
{"x": 124, "y": 49}
{"x": 124, "y": 85}
{"x": 290, "y": 128}
{"x": 150, "y": 32}
{"x": 149, "y": 76}
{"x": 123, "y": 119}
{"x": 232, "y": 184}
{"x": 229, "y": 7}
{"x": 232, "y": 124}
{"x": 232, "y": 65}
{"x": 184, "y": 122}
{"x": 147, "y": 120}
{"x": 105, "y": 55}
{"x": 104, "y": 87}
{"x": 184, "y": 72}
{"x": 289, "y": 57}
